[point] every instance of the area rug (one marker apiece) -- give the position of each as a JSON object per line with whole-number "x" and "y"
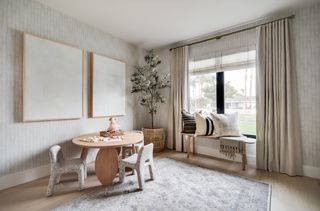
{"x": 178, "y": 186}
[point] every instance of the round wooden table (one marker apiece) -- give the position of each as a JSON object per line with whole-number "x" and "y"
{"x": 106, "y": 164}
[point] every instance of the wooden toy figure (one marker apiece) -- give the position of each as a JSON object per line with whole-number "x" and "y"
{"x": 113, "y": 126}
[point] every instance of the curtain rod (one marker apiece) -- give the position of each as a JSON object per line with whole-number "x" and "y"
{"x": 231, "y": 33}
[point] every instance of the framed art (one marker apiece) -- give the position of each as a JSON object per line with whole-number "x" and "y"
{"x": 108, "y": 95}
{"x": 52, "y": 80}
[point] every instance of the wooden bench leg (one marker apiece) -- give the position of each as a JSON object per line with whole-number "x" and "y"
{"x": 244, "y": 157}
{"x": 188, "y": 145}
{"x": 243, "y": 162}
{"x": 193, "y": 145}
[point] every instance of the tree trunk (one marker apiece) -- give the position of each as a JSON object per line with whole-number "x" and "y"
{"x": 152, "y": 120}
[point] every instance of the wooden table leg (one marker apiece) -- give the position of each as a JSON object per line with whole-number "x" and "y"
{"x": 106, "y": 165}
{"x": 133, "y": 149}
{"x": 84, "y": 153}
{"x": 244, "y": 157}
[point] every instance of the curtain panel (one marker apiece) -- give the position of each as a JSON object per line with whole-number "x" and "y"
{"x": 178, "y": 96}
{"x": 278, "y": 125}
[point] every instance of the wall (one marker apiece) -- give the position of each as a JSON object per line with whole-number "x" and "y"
{"x": 24, "y": 146}
{"x": 306, "y": 39}
{"x": 306, "y": 35}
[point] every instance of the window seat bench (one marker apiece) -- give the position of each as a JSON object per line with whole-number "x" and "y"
{"x": 190, "y": 140}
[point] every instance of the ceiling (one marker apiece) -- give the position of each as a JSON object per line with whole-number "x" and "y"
{"x": 155, "y": 23}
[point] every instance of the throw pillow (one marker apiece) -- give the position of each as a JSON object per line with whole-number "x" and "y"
{"x": 226, "y": 124}
{"x": 188, "y": 122}
{"x": 204, "y": 125}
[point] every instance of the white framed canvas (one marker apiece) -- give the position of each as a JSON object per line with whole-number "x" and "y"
{"x": 52, "y": 80}
{"x": 108, "y": 96}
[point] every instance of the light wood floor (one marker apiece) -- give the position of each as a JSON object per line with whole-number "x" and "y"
{"x": 288, "y": 193}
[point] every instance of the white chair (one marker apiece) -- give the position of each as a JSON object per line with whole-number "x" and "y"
{"x": 60, "y": 166}
{"x": 128, "y": 150}
{"x": 138, "y": 162}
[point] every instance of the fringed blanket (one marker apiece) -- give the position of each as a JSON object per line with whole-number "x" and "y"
{"x": 230, "y": 147}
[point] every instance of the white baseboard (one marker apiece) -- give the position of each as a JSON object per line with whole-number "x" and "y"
{"x": 311, "y": 171}
{"x": 18, "y": 178}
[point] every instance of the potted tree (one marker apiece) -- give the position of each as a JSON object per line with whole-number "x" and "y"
{"x": 147, "y": 82}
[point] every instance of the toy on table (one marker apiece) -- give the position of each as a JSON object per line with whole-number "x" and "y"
{"x": 113, "y": 130}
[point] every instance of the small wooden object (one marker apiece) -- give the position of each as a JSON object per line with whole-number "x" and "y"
{"x": 111, "y": 134}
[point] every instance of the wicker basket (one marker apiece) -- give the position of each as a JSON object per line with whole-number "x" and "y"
{"x": 155, "y": 136}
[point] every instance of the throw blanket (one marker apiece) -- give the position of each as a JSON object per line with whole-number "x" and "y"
{"x": 230, "y": 147}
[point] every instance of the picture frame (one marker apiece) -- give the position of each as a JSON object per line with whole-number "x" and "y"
{"x": 108, "y": 86}
{"x": 53, "y": 77}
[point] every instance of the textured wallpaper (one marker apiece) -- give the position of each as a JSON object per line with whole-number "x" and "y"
{"x": 306, "y": 36}
{"x": 25, "y": 145}
{"x": 306, "y": 39}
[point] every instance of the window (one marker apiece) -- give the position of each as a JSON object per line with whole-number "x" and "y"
{"x": 202, "y": 90}
{"x": 240, "y": 97}
{"x": 225, "y": 83}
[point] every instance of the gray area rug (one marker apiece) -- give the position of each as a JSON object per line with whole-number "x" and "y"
{"x": 178, "y": 186}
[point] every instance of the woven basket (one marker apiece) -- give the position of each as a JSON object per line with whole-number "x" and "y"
{"x": 155, "y": 136}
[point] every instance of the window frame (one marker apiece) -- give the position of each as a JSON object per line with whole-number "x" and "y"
{"x": 219, "y": 69}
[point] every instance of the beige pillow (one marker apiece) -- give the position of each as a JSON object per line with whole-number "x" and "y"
{"x": 226, "y": 124}
{"x": 204, "y": 124}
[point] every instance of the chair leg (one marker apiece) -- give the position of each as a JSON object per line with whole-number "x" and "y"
{"x": 51, "y": 184}
{"x": 151, "y": 170}
{"x": 140, "y": 173}
{"x": 85, "y": 171}
{"x": 122, "y": 172}
{"x": 81, "y": 178}
{"x": 123, "y": 153}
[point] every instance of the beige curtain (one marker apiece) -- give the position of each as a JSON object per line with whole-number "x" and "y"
{"x": 179, "y": 96}
{"x": 278, "y": 131}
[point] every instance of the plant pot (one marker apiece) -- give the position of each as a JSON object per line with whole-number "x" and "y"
{"x": 155, "y": 136}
